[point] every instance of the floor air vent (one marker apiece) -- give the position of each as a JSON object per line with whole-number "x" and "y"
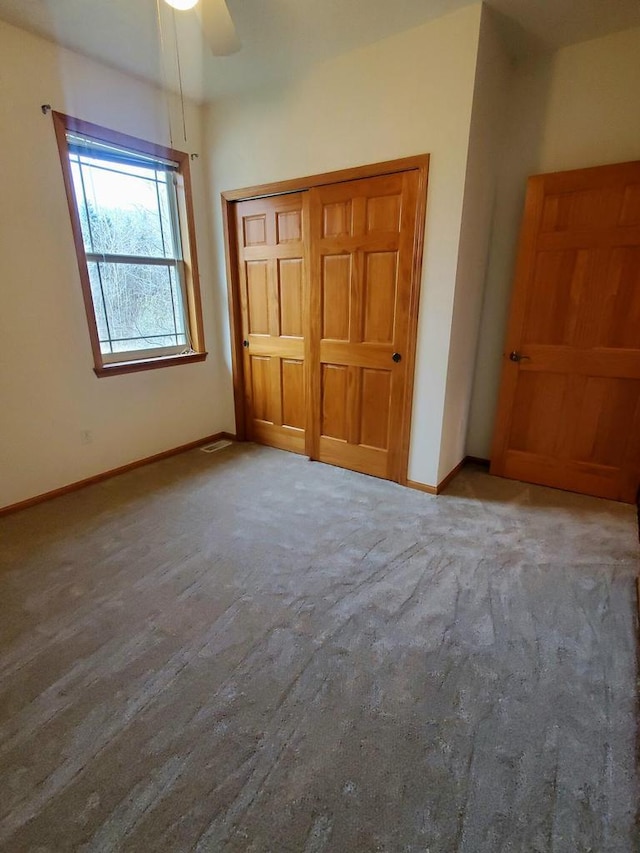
{"x": 217, "y": 445}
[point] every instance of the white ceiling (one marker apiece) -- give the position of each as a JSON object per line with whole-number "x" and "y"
{"x": 281, "y": 38}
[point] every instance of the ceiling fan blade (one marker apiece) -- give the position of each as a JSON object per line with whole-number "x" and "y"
{"x": 218, "y": 27}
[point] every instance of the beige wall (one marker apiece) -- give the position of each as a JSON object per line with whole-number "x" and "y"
{"x": 579, "y": 107}
{"x": 493, "y": 73}
{"x": 409, "y": 94}
{"x": 48, "y": 391}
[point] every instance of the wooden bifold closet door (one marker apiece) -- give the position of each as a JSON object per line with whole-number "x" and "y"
{"x": 327, "y": 293}
{"x": 362, "y": 236}
{"x": 273, "y": 296}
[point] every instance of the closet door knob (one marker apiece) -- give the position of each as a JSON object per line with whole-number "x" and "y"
{"x": 245, "y": 344}
{"x": 396, "y": 357}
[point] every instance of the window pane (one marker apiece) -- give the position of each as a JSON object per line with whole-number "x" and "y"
{"x": 143, "y": 306}
{"x": 99, "y": 308}
{"x": 81, "y": 206}
{"x": 124, "y": 210}
{"x": 168, "y": 212}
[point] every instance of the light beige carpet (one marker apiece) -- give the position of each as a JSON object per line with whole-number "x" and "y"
{"x": 251, "y": 652}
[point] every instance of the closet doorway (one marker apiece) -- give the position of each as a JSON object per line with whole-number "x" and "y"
{"x": 323, "y": 278}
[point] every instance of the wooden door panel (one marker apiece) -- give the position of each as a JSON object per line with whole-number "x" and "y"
{"x": 337, "y": 219}
{"x": 630, "y": 207}
{"x": 288, "y": 226}
{"x": 569, "y": 412}
{"x": 570, "y": 211}
{"x": 334, "y": 384}
{"x": 293, "y": 396}
{"x": 290, "y": 294}
{"x": 375, "y": 386}
{"x": 383, "y": 212}
{"x": 254, "y": 230}
{"x": 592, "y": 416}
{"x": 274, "y": 296}
{"x": 559, "y": 283}
{"x": 257, "y": 277}
{"x": 537, "y": 393}
{"x": 380, "y": 292}
{"x": 620, "y": 315}
{"x": 362, "y": 237}
{"x": 261, "y": 392}
{"x": 606, "y": 410}
{"x": 335, "y": 297}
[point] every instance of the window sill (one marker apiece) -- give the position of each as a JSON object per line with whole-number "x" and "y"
{"x": 119, "y": 367}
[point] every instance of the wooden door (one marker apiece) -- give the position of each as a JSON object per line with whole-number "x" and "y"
{"x": 273, "y": 296}
{"x": 362, "y": 239}
{"x": 569, "y": 408}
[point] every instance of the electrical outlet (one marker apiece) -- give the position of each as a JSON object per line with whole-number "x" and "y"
{"x": 86, "y": 436}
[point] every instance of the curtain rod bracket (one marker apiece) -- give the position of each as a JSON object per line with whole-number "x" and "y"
{"x": 194, "y": 156}
{"x": 46, "y": 108}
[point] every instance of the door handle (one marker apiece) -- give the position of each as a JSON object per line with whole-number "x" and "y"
{"x": 515, "y": 356}
{"x": 245, "y": 344}
{"x": 396, "y": 357}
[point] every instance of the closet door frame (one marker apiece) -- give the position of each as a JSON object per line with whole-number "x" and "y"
{"x": 419, "y": 163}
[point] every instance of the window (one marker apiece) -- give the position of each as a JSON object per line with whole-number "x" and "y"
{"x": 132, "y": 222}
